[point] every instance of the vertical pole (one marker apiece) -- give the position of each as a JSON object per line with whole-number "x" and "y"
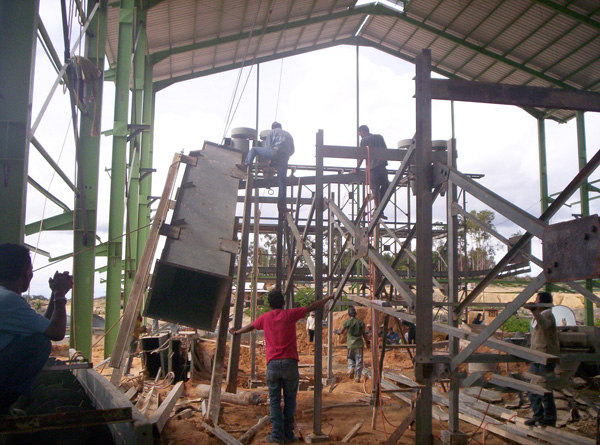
{"x": 89, "y": 161}
{"x": 238, "y": 307}
{"x": 543, "y": 168}
{"x": 18, "y": 31}
{"x": 146, "y": 159}
{"x": 357, "y": 96}
{"x": 117, "y": 183}
{"x": 452, "y": 218}
{"x": 424, "y": 245}
{"x": 545, "y": 200}
{"x": 214, "y": 399}
{"x": 585, "y": 204}
{"x": 318, "y": 392}
{"x": 330, "y": 257}
{"x": 133, "y": 189}
{"x": 254, "y": 283}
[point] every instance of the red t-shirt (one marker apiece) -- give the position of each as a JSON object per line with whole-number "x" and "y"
{"x": 280, "y": 332}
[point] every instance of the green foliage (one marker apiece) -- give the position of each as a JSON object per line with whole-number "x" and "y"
{"x": 597, "y": 322}
{"x": 514, "y": 324}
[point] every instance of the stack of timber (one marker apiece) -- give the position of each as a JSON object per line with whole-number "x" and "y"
{"x": 497, "y": 420}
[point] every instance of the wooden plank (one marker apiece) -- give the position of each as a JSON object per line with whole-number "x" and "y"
{"x": 56, "y": 421}
{"x": 106, "y": 396}
{"x": 161, "y": 415}
{"x": 509, "y": 382}
{"x": 396, "y": 435}
{"x": 355, "y": 429}
{"x": 553, "y": 435}
{"x": 140, "y": 282}
{"x": 500, "y": 430}
{"x": 249, "y": 435}
{"x": 220, "y": 433}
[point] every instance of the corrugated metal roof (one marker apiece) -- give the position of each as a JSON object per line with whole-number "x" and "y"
{"x": 528, "y": 42}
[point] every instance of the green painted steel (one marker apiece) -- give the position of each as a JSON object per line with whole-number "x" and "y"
{"x": 118, "y": 171}
{"x": 588, "y": 315}
{"x": 84, "y": 236}
{"x": 543, "y": 168}
{"x": 146, "y": 160}
{"x": 133, "y": 187}
{"x": 566, "y": 10}
{"x": 18, "y": 32}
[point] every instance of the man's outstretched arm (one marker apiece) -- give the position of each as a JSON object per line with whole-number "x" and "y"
{"x": 318, "y": 304}
{"x": 247, "y": 328}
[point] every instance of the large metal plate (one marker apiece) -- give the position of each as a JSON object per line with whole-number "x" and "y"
{"x": 571, "y": 250}
{"x": 192, "y": 278}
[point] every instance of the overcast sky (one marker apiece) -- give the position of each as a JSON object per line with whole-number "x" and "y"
{"x": 305, "y": 93}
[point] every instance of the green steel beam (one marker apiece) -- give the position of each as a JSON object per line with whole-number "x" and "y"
{"x": 18, "y": 33}
{"x": 545, "y": 199}
{"x": 86, "y": 207}
{"x": 47, "y": 194}
{"x": 146, "y": 160}
{"x": 161, "y": 55}
{"x": 118, "y": 171}
{"x": 133, "y": 185}
{"x": 161, "y": 84}
{"x": 585, "y": 206}
{"x": 47, "y": 41}
{"x": 565, "y": 10}
{"x": 63, "y": 221}
{"x": 53, "y": 164}
{"x": 382, "y": 10}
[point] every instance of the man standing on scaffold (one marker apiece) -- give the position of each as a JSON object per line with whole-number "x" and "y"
{"x": 379, "y": 181}
{"x": 279, "y": 146}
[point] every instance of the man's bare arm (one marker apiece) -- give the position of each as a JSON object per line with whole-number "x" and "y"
{"x": 247, "y": 328}
{"x": 318, "y": 304}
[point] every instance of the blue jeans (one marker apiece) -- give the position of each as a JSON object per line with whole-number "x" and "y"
{"x": 543, "y": 407}
{"x": 21, "y": 361}
{"x": 281, "y": 161}
{"x": 283, "y": 374}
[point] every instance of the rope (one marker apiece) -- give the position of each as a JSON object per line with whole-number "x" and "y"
{"x": 231, "y": 112}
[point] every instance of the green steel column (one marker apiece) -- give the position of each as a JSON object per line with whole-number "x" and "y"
{"x": 131, "y": 240}
{"x": 585, "y": 205}
{"x": 543, "y": 168}
{"x": 83, "y": 242}
{"x": 118, "y": 170}
{"x": 146, "y": 160}
{"x": 545, "y": 200}
{"x": 18, "y": 30}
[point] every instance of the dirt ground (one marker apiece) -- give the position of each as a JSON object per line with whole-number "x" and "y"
{"x": 336, "y": 420}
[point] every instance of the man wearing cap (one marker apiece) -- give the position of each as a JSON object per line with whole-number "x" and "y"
{"x": 279, "y": 146}
{"x": 544, "y": 338}
{"x": 279, "y": 326}
{"x": 356, "y": 339}
{"x": 377, "y": 168}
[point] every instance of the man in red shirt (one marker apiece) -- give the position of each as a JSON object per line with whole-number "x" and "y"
{"x": 279, "y": 326}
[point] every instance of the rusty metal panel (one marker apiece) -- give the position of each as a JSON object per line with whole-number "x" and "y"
{"x": 192, "y": 277}
{"x": 572, "y": 250}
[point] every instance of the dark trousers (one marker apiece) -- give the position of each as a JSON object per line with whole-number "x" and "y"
{"x": 543, "y": 407}
{"x": 281, "y": 161}
{"x": 311, "y": 335}
{"x": 283, "y": 375}
{"x": 379, "y": 183}
{"x": 21, "y": 361}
